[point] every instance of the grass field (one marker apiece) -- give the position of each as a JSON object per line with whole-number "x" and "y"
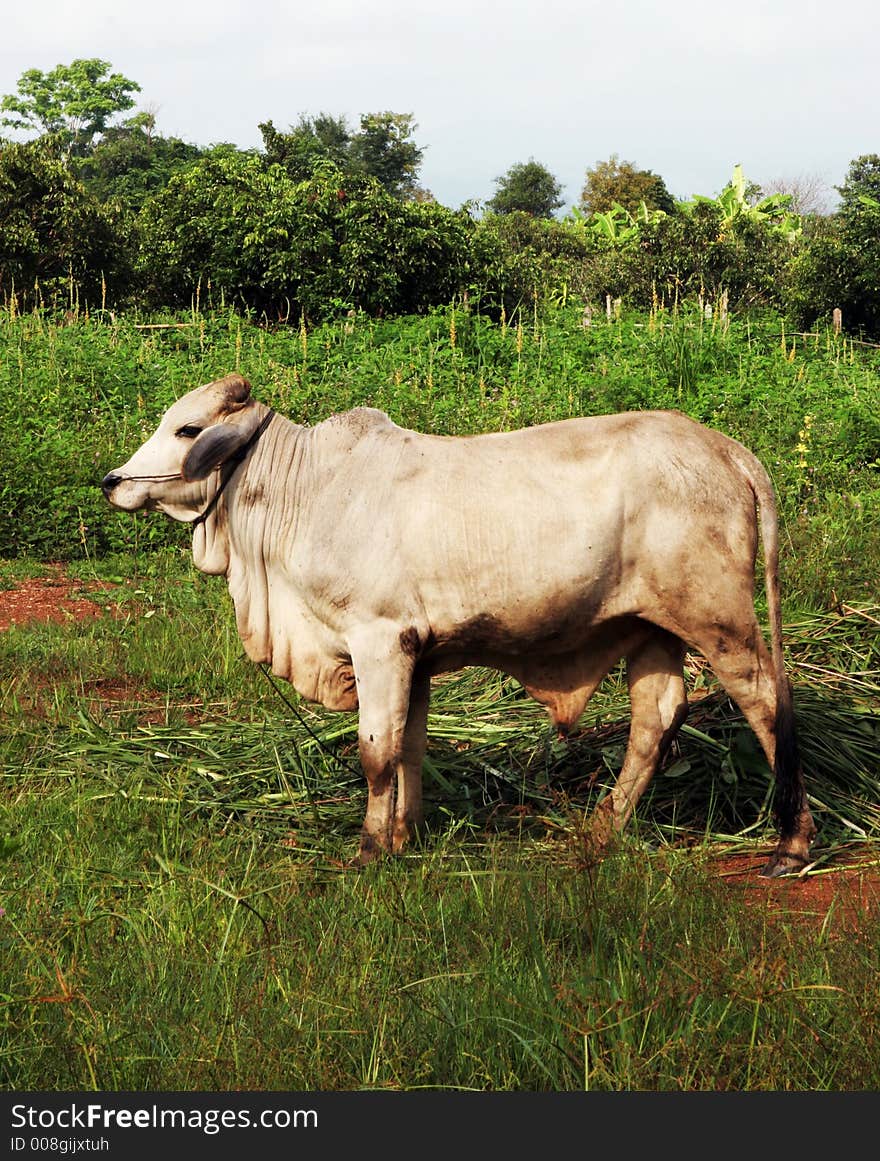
{"x": 175, "y": 831}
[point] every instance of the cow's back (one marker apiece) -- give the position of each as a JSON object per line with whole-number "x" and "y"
{"x": 563, "y": 522}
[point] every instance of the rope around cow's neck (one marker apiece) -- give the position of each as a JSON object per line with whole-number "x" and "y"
{"x": 233, "y": 463}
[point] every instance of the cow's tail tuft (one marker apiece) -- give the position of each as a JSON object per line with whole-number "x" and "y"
{"x": 788, "y": 794}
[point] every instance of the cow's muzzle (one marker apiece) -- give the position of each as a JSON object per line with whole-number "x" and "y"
{"x": 109, "y": 483}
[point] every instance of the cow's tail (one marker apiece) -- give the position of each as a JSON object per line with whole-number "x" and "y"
{"x": 789, "y": 795}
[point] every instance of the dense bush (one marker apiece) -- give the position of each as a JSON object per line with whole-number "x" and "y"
{"x": 323, "y": 222}
{"x": 689, "y": 254}
{"x": 520, "y": 260}
{"x": 248, "y": 232}
{"x": 129, "y": 165}
{"x": 840, "y": 267}
{"x": 56, "y": 240}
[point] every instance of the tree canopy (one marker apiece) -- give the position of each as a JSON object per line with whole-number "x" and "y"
{"x": 52, "y": 230}
{"x": 383, "y": 148}
{"x": 309, "y": 142}
{"x": 324, "y": 245}
{"x": 326, "y": 218}
{"x": 862, "y": 181}
{"x": 620, "y": 182}
{"x": 73, "y": 103}
{"x": 527, "y": 187}
{"x": 131, "y": 162}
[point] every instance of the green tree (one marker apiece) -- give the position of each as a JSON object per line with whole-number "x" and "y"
{"x": 72, "y": 103}
{"x": 53, "y": 233}
{"x": 528, "y": 187}
{"x": 620, "y": 182}
{"x": 862, "y": 181}
{"x": 383, "y": 149}
{"x": 742, "y": 199}
{"x": 131, "y": 162}
{"x": 840, "y": 264}
{"x": 859, "y": 215}
{"x": 333, "y": 243}
{"x": 311, "y": 141}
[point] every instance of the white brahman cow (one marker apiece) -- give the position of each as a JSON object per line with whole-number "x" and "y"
{"x": 363, "y": 558}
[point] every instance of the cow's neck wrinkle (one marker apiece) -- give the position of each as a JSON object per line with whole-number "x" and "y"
{"x": 257, "y": 515}
{"x": 211, "y": 547}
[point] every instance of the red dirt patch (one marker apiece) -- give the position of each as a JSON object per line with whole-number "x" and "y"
{"x": 844, "y": 893}
{"x": 51, "y": 598}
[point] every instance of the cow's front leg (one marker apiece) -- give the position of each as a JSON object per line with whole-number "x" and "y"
{"x": 408, "y": 811}
{"x": 391, "y": 738}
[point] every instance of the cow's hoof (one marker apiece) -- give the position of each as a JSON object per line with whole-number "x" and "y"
{"x": 595, "y": 841}
{"x": 784, "y": 863}
{"x": 403, "y": 838}
{"x": 599, "y": 831}
{"x": 370, "y": 851}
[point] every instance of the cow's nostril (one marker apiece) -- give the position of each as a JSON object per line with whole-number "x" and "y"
{"x": 109, "y": 483}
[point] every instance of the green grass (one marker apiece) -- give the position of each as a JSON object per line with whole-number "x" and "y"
{"x": 148, "y": 953}
{"x": 81, "y": 397}
{"x": 180, "y": 912}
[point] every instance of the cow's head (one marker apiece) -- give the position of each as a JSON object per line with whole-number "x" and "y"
{"x": 197, "y": 434}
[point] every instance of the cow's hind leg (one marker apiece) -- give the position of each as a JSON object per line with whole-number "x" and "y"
{"x": 744, "y": 667}
{"x": 658, "y": 707}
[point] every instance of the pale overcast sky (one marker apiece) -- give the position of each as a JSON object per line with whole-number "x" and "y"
{"x": 686, "y": 89}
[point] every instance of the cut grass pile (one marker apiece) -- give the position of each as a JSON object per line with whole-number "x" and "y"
{"x": 159, "y": 702}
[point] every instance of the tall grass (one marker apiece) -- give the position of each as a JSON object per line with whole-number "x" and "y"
{"x": 179, "y": 910}
{"x": 149, "y": 953}
{"x": 83, "y": 395}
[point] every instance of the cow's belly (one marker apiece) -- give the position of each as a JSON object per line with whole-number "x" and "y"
{"x": 514, "y": 647}
{"x": 551, "y": 616}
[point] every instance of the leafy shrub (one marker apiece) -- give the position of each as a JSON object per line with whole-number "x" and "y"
{"x": 520, "y": 260}
{"x": 249, "y": 232}
{"x": 131, "y": 163}
{"x": 53, "y": 234}
{"x": 689, "y": 254}
{"x": 840, "y": 268}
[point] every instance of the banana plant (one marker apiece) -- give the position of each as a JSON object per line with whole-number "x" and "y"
{"x": 616, "y": 226}
{"x": 773, "y": 211}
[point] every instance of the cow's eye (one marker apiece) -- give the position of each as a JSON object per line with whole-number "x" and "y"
{"x": 188, "y": 431}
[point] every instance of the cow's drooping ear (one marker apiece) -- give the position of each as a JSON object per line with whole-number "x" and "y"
{"x": 213, "y": 448}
